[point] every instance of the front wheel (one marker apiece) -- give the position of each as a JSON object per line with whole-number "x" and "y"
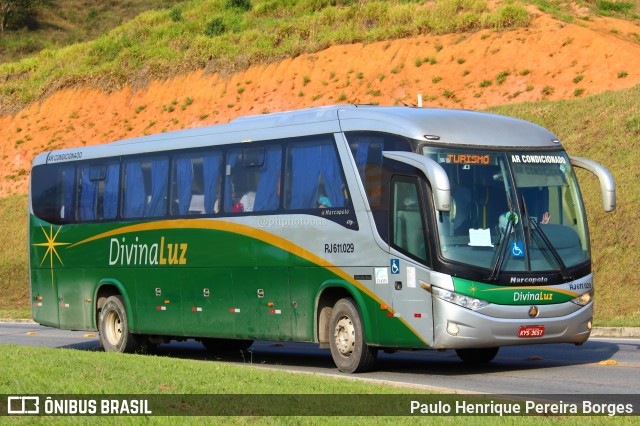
{"x": 115, "y": 335}
{"x": 349, "y": 350}
{"x": 477, "y": 356}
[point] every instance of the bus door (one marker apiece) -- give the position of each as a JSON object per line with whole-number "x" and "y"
{"x": 409, "y": 256}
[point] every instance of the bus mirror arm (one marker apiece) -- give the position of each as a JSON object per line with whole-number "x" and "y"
{"x": 434, "y": 172}
{"x": 607, "y": 184}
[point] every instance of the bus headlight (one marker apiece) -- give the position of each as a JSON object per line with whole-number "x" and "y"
{"x": 584, "y": 298}
{"x": 459, "y": 299}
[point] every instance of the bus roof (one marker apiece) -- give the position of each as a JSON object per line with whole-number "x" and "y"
{"x": 443, "y": 126}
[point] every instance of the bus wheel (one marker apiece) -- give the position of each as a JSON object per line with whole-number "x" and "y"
{"x": 349, "y": 350}
{"x": 114, "y": 328}
{"x": 477, "y": 355}
{"x": 219, "y": 345}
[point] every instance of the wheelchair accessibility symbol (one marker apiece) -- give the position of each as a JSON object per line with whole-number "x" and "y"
{"x": 517, "y": 250}
{"x": 395, "y": 266}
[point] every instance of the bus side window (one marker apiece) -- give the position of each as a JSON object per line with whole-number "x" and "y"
{"x": 52, "y": 189}
{"x": 98, "y": 191}
{"x": 314, "y": 175}
{"x": 252, "y": 181}
{"x": 145, "y": 187}
{"x": 196, "y": 184}
{"x": 407, "y": 225}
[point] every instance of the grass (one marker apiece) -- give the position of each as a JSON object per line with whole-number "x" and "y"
{"x": 59, "y": 23}
{"x": 14, "y": 274}
{"x": 205, "y": 34}
{"x": 193, "y": 386}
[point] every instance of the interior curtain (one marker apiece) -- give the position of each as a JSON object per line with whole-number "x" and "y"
{"x": 228, "y": 190}
{"x": 184, "y": 172}
{"x": 88, "y": 195}
{"x": 332, "y": 176}
{"x": 211, "y": 171}
{"x": 267, "y": 191}
{"x": 134, "y": 197}
{"x": 111, "y": 185}
{"x": 305, "y": 171}
{"x": 159, "y": 184}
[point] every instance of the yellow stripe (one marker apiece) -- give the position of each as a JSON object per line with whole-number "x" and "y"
{"x": 274, "y": 240}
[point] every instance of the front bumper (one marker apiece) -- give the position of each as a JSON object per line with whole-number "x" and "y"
{"x": 477, "y": 330}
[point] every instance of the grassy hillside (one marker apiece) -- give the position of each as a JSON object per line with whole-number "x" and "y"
{"x": 14, "y": 270}
{"x": 605, "y": 128}
{"x": 228, "y": 35}
{"x": 57, "y": 23}
{"x": 224, "y": 36}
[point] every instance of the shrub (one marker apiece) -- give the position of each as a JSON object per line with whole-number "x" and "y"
{"x": 237, "y": 4}
{"x": 502, "y": 76}
{"x": 215, "y": 27}
{"x": 175, "y": 14}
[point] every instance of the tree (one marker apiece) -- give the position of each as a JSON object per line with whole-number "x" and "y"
{"x": 17, "y": 12}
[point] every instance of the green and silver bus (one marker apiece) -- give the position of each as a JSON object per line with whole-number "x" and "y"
{"x": 360, "y": 228}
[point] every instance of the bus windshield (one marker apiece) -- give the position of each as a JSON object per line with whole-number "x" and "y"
{"x": 511, "y": 212}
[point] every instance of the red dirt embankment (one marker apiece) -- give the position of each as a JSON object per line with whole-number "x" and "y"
{"x": 548, "y": 60}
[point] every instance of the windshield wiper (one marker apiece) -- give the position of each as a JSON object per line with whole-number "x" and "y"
{"x": 534, "y": 225}
{"x": 503, "y": 243}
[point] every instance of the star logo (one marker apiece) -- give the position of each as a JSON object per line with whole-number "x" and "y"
{"x": 52, "y": 248}
{"x": 473, "y": 289}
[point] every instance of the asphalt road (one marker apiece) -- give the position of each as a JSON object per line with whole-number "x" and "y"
{"x": 608, "y": 366}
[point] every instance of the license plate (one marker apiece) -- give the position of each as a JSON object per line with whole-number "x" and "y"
{"x": 531, "y": 331}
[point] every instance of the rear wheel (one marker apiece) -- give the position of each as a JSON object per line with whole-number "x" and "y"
{"x": 349, "y": 350}
{"x": 477, "y": 356}
{"x": 220, "y": 345}
{"x": 115, "y": 335}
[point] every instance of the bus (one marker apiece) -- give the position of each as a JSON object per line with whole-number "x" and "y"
{"x": 360, "y": 228}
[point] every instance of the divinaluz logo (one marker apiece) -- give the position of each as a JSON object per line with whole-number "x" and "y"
{"x": 125, "y": 253}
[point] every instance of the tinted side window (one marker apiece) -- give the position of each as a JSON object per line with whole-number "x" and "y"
{"x": 145, "y": 188}
{"x": 314, "y": 175}
{"x": 97, "y": 193}
{"x": 52, "y": 192}
{"x": 367, "y": 148}
{"x": 252, "y": 181}
{"x": 407, "y": 219}
{"x": 196, "y": 184}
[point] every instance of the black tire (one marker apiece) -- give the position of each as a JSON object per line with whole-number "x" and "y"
{"x": 222, "y": 345}
{"x": 350, "y": 352}
{"x": 477, "y": 356}
{"x": 115, "y": 335}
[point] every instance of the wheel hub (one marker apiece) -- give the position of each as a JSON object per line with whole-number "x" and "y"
{"x": 345, "y": 336}
{"x": 114, "y": 328}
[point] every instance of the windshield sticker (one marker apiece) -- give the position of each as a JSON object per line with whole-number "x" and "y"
{"x": 465, "y": 159}
{"x": 480, "y": 238}
{"x": 517, "y": 250}
{"x": 538, "y": 159}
